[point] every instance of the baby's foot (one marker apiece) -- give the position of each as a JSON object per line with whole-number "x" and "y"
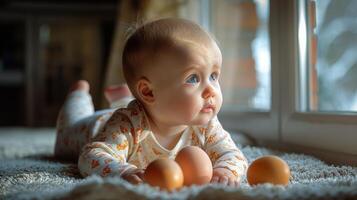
{"x": 116, "y": 93}
{"x": 80, "y": 85}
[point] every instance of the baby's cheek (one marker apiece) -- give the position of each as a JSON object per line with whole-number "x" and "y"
{"x": 188, "y": 107}
{"x": 219, "y": 99}
{"x": 218, "y": 105}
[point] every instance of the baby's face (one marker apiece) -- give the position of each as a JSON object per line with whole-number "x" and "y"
{"x": 186, "y": 87}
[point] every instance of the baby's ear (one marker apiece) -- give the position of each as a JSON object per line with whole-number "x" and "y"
{"x": 144, "y": 90}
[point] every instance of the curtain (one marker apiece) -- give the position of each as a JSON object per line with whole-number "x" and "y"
{"x": 132, "y": 13}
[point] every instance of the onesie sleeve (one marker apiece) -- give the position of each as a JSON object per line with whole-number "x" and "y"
{"x": 107, "y": 154}
{"x": 222, "y": 150}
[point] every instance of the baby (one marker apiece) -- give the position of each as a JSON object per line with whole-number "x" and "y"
{"x": 172, "y": 68}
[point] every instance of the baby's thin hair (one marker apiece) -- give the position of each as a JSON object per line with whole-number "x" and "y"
{"x": 146, "y": 40}
{"x": 130, "y": 28}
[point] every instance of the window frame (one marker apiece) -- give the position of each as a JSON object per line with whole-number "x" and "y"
{"x": 313, "y": 129}
{"x": 260, "y": 124}
{"x": 332, "y": 136}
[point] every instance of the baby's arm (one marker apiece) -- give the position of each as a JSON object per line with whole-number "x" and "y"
{"x": 108, "y": 154}
{"x": 229, "y": 163}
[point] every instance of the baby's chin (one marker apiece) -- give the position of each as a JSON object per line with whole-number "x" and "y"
{"x": 201, "y": 122}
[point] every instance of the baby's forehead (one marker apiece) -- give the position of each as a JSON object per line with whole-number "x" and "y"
{"x": 189, "y": 53}
{"x": 194, "y": 52}
{"x": 189, "y": 48}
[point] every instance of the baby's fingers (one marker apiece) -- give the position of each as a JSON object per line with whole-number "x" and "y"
{"x": 215, "y": 179}
{"x": 233, "y": 183}
{"x": 136, "y": 179}
{"x": 140, "y": 174}
{"x": 219, "y": 180}
{"x": 223, "y": 180}
{"x": 133, "y": 178}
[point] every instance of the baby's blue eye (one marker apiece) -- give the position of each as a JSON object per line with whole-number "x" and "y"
{"x": 213, "y": 77}
{"x": 193, "y": 79}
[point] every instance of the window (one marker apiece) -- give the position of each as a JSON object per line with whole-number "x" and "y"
{"x": 331, "y": 62}
{"x": 311, "y": 116}
{"x": 242, "y": 31}
{"x": 290, "y": 71}
{"x": 244, "y": 41}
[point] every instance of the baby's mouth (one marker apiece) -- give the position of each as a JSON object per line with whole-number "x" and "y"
{"x": 208, "y": 108}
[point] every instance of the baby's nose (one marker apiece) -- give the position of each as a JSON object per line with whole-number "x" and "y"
{"x": 208, "y": 92}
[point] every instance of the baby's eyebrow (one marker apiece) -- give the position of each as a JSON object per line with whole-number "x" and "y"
{"x": 193, "y": 68}
{"x": 190, "y": 68}
{"x": 216, "y": 67}
{"x": 198, "y": 66}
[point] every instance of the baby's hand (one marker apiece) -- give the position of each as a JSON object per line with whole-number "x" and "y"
{"x": 134, "y": 176}
{"x": 224, "y": 176}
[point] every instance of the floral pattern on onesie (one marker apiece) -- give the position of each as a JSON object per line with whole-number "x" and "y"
{"x": 127, "y": 143}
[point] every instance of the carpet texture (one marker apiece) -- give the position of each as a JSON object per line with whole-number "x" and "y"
{"x": 29, "y": 171}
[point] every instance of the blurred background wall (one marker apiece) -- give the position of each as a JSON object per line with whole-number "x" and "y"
{"x": 44, "y": 47}
{"x": 47, "y": 45}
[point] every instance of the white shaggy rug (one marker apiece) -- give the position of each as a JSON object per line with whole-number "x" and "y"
{"x": 29, "y": 171}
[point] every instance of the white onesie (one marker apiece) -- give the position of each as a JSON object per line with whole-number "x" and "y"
{"x": 119, "y": 140}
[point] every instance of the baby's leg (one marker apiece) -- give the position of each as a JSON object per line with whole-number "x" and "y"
{"x": 77, "y": 106}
